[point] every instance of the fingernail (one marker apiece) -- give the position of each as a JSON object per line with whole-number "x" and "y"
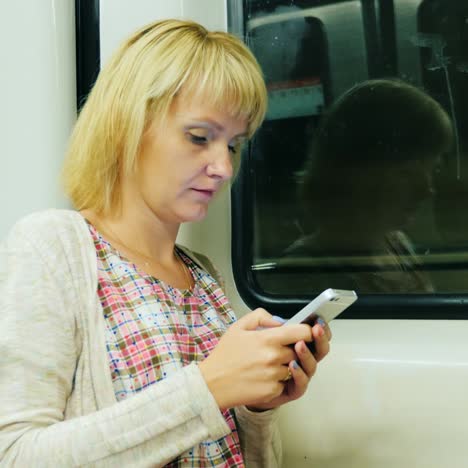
{"x": 295, "y": 365}
{"x": 321, "y": 322}
{"x": 278, "y": 319}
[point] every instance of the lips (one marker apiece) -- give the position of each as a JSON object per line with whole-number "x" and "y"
{"x": 207, "y": 191}
{"x": 206, "y": 194}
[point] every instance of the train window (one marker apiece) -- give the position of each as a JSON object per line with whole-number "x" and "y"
{"x": 358, "y": 178}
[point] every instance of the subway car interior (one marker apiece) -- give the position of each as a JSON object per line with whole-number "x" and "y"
{"x": 357, "y": 179}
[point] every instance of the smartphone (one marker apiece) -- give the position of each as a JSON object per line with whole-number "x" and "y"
{"x": 327, "y": 305}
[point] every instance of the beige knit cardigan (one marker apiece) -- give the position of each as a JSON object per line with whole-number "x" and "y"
{"x": 57, "y": 404}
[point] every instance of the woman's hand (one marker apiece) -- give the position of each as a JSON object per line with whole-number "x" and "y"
{"x": 302, "y": 371}
{"x": 249, "y": 365}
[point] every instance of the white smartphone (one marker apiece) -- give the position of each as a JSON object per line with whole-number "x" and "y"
{"x": 327, "y": 305}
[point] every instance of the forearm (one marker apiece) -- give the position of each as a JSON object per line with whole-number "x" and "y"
{"x": 150, "y": 428}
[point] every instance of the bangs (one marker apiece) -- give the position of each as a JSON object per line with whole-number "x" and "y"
{"x": 229, "y": 82}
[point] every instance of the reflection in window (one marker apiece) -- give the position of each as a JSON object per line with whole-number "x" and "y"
{"x": 368, "y": 171}
{"x": 359, "y": 175}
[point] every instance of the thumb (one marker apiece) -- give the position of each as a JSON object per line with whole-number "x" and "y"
{"x": 259, "y": 319}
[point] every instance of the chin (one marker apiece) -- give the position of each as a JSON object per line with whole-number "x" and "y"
{"x": 195, "y": 214}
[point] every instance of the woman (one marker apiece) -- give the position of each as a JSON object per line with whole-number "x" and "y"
{"x": 119, "y": 347}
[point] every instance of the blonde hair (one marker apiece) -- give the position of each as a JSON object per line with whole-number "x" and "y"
{"x": 138, "y": 85}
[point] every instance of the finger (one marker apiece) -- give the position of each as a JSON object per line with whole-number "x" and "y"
{"x": 259, "y": 319}
{"x": 281, "y": 355}
{"x": 289, "y": 334}
{"x": 306, "y": 359}
{"x": 325, "y": 326}
{"x": 299, "y": 382}
{"x": 322, "y": 344}
{"x": 278, "y": 321}
{"x": 287, "y": 374}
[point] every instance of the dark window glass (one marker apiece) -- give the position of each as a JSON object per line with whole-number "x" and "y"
{"x": 358, "y": 178}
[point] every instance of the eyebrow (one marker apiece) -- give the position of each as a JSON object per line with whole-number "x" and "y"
{"x": 209, "y": 123}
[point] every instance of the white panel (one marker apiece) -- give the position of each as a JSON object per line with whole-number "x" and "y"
{"x": 211, "y": 13}
{"x": 119, "y": 18}
{"x": 37, "y": 92}
{"x": 391, "y": 394}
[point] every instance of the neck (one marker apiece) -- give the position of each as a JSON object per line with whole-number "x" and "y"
{"x": 138, "y": 230}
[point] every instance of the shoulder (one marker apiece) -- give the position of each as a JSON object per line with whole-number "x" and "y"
{"x": 55, "y": 244}
{"x": 43, "y": 220}
{"x": 58, "y": 237}
{"x": 48, "y": 227}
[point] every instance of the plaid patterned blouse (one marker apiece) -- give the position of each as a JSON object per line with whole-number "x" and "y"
{"x": 153, "y": 330}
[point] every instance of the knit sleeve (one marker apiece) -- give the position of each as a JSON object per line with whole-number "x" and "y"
{"x": 39, "y": 351}
{"x": 260, "y": 438}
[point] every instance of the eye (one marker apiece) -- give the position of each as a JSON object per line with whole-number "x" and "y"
{"x": 232, "y": 149}
{"x": 197, "y": 139}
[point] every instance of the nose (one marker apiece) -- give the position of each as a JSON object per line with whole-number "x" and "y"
{"x": 220, "y": 162}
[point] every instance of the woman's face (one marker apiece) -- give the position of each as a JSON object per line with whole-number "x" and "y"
{"x": 185, "y": 160}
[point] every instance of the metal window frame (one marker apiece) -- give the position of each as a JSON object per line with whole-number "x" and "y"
{"x": 368, "y": 306}
{"x": 88, "y": 48}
